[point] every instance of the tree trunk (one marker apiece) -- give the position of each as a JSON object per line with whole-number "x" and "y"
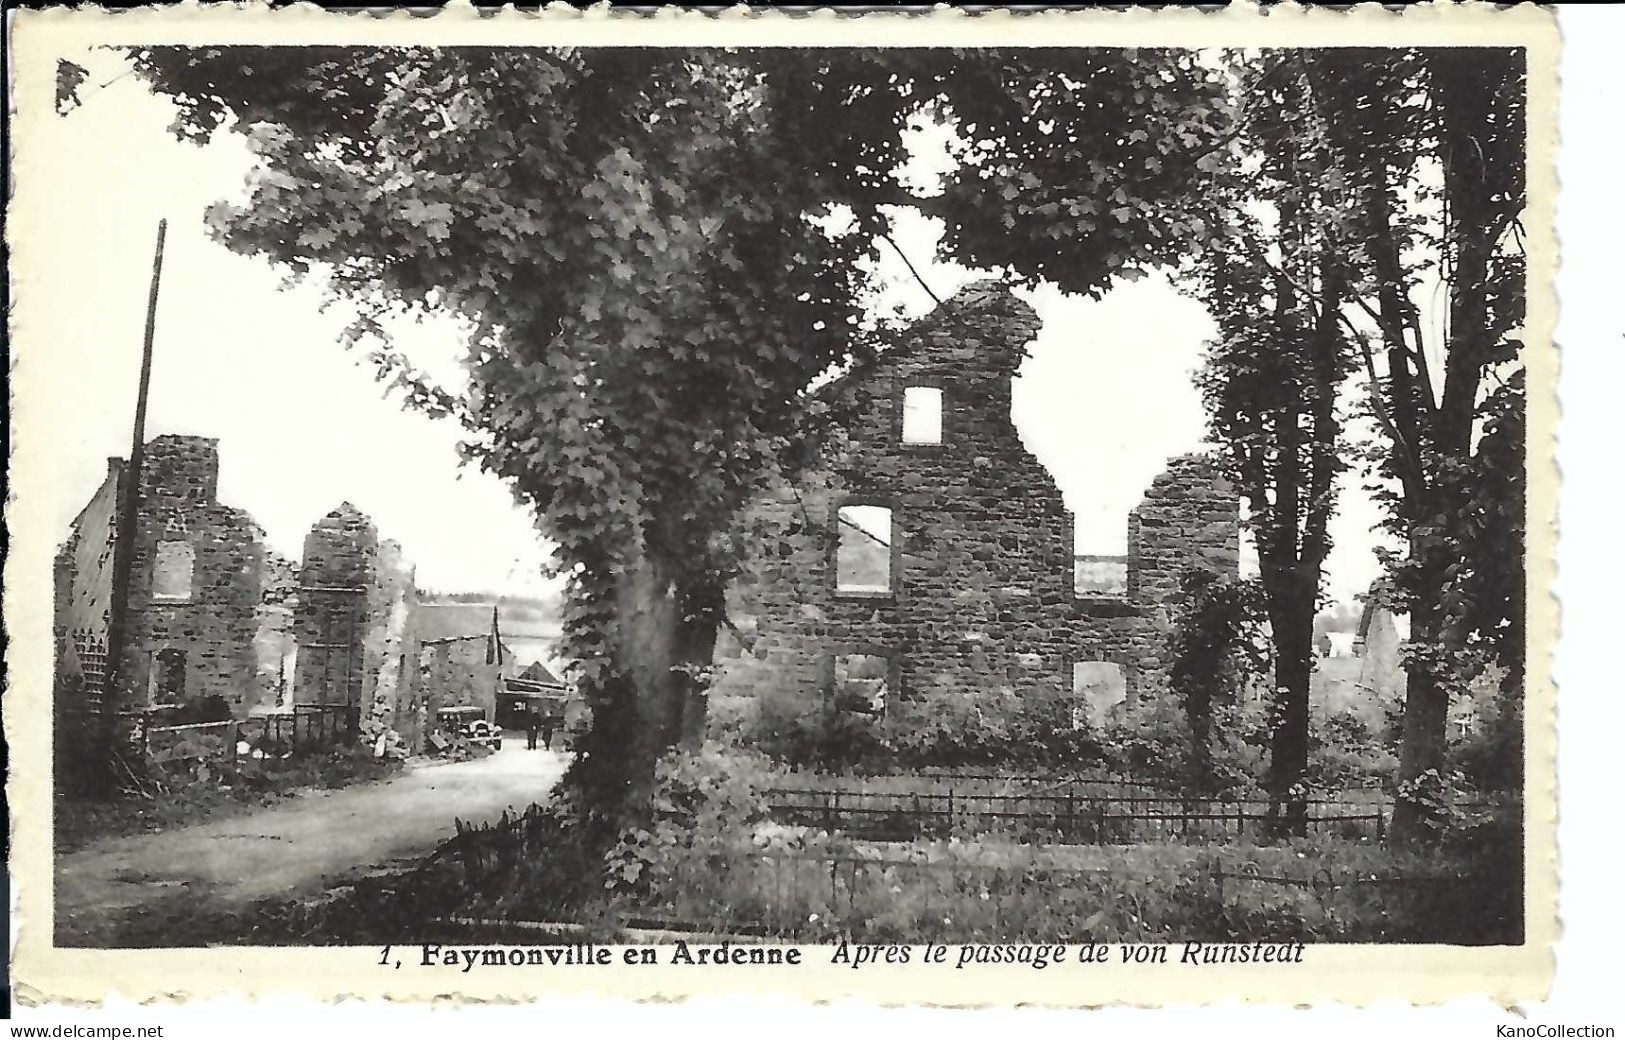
{"x": 654, "y": 698}
{"x": 1292, "y": 619}
{"x": 636, "y": 715}
{"x": 1199, "y": 714}
{"x": 1427, "y": 707}
{"x": 700, "y": 611}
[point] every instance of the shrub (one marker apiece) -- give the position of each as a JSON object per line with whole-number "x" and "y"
{"x": 706, "y": 800}
{"x": 1215, "y": 649}
{"x": 1343, "y": 749}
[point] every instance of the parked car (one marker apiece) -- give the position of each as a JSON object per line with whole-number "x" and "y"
{"x": 482, "y": 732}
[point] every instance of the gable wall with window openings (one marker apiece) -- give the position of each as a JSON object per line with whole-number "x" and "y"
{"x": 981, "y": 589}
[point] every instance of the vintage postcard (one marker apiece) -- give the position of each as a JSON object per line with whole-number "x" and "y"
{"x": 938, "y": 508}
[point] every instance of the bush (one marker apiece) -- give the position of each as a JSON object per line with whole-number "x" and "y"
{"x": 954, "y": 728}
{"x": 1343, "y": 750}
{"x": 706, "y": 800}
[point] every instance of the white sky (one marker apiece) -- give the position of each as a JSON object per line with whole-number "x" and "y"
{"x": 1104, "y": 400}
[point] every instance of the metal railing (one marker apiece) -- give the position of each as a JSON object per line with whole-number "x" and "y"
{"x": 306, "y": 728}
{"x": 1065, "y": 817}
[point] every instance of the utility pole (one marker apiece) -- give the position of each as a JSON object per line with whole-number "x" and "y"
{"x": 124, "y": 540}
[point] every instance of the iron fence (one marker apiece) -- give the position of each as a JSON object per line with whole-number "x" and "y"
{"x": 306, "y": 728}
{"x": 1065, "y": 817}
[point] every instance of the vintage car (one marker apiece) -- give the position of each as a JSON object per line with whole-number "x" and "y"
{"x": 482, "y": 733}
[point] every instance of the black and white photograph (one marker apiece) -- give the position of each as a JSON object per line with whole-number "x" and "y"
{"x": 739, "y": 498}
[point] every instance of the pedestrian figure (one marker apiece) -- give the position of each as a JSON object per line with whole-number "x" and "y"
{"x": 547, "y": 731}
{"x": 530, "y": 731}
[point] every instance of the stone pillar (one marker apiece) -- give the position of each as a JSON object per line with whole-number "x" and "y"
{"x": 336, "y": 580}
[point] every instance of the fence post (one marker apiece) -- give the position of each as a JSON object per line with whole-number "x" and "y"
{"x": 1067, "y": 828}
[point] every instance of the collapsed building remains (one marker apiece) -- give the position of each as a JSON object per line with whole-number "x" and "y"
{"x": 221, "y": 627}
{"x": 929, "y": 552}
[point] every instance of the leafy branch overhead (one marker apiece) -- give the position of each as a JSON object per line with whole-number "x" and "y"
{"x": 657, "y": 252}
{"x": 639, "y": 241}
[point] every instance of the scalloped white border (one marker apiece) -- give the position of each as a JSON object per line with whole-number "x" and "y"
{"x": 1359, "y": 975}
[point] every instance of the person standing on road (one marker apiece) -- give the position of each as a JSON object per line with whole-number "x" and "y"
{"x": 530, "y": 731}
{"x": 547, "y": 731}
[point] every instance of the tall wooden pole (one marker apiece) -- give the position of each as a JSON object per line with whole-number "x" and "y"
{"x": 124, "y": 540}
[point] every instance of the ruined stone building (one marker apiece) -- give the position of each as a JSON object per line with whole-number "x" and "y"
{"x": 221, "y": 626}
{"x": 365, "y": 639}
{"x": 352, "y": 624}
{"x": 930, "y": 552}
{"x": 461, "y": 657}
{"x": 198, "y": 578}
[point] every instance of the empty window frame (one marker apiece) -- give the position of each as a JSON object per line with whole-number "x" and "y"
{"x": 922, "y": 415}
{"x": 1099, "y": 577}
{"x": 862, "y": 684}
{"x": 1098, "y": 687}
{"x": 863, "y": 550}
{"x": 172, "y": 572}
{"x": 168, "y": 685}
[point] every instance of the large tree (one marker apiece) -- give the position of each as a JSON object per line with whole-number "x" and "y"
{"x": 1431, "y": 144}
{"x": 656, "y": 254}
{"x": 1349, "y": 187}
{"x": 1273, "y": 373}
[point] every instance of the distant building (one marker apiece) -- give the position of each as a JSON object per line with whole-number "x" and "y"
{"x": 1378, "y": 646}
{"x": 460, "y": 658}
{"x": 535, "y": 691}
{"x": 1362, "y": 674}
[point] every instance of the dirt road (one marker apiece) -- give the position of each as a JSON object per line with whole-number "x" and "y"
{"x": 295, "y": 847}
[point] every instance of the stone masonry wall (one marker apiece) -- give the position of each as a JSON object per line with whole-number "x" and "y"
{"x": 982, "y": 594}
{"x": 191, "y": 635}
{"x": 336, "y": 581}
{"x": 454, "y": 673}
{"x": 354, "y": 628}
{"x": 83, "y": 592}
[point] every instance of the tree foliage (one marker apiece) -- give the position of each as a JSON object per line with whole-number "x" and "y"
{"x": 1215, "y": 649}
{"x": 1272, "y": 375}
{"x": 1431, "y": 143}
{"x": 656, "y": 252}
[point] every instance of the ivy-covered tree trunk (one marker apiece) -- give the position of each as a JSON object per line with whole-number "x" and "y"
{"x": 635, "y": 714}
{"x": 651, "y": 697}
{"x": 700, "y": 607}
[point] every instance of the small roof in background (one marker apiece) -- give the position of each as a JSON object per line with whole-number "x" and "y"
{"x": 538, "y": 672}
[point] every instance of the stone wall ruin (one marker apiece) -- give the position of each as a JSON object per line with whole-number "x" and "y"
{"x": 981, "y": 594}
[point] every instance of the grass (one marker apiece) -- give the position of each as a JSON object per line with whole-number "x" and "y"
{"x": 818, "y": 890}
